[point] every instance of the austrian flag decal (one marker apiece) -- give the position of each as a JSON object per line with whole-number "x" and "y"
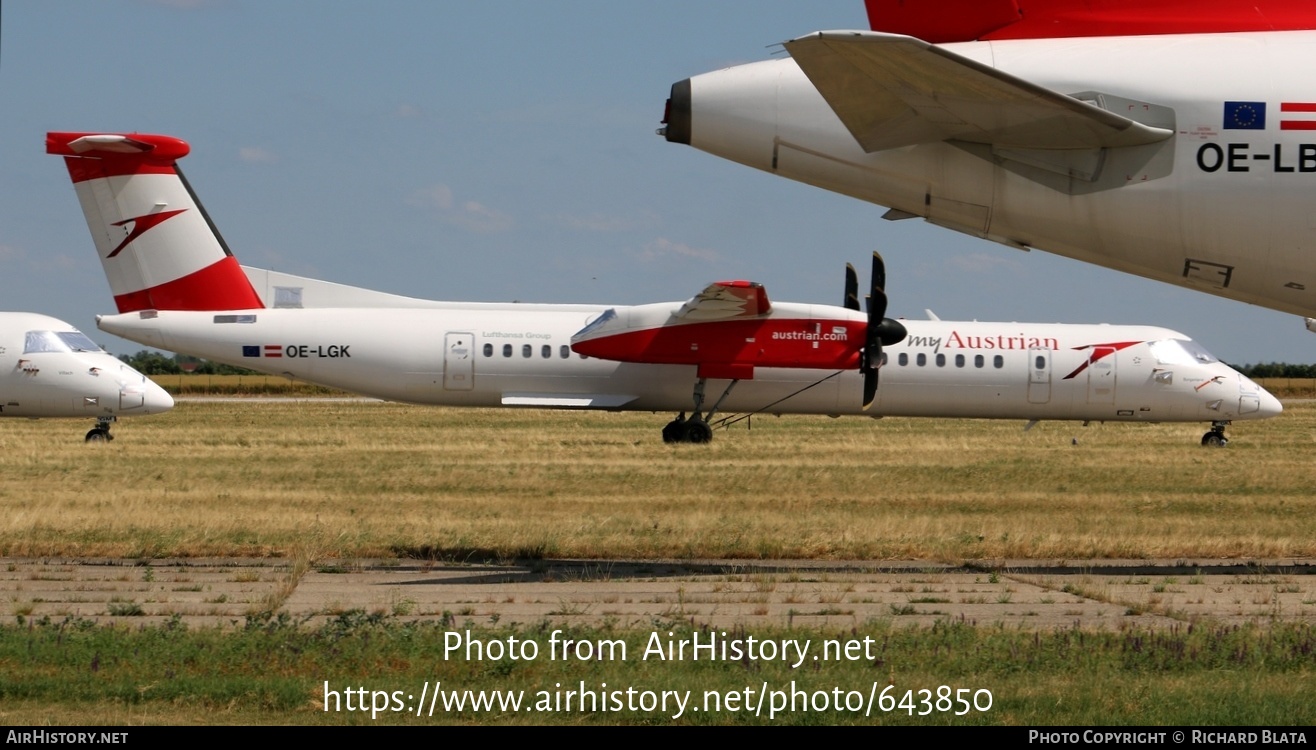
{"x": 262, "y": 351}
{"x": 1297, "y": 116}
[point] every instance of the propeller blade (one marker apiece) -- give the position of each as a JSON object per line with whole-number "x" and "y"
{"x": 880, "y": 330}
{"x": 879, "y": 271}
{"x": 876, "y": 306}
{"x": 851, "y": 288}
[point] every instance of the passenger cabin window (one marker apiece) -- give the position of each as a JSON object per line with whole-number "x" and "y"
{"x": 1040, "y": 362}
{"x": 903, "y": 359}
{"x": 507, "y": 350}
{"x": 959, "y": 360}
{"x": 978, "y": 360}
{"x": 998, "y": 361}
{"x": 526, "y": 350}
{"x": 941, "y": 360}
{"x": 564, "y": 351}
{"x": 546, "y": 352}
{"x": 488, "y": 350}
{"x": 922, "y": 359}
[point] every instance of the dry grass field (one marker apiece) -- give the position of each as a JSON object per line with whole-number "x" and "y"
{"x": 318, "y": 480}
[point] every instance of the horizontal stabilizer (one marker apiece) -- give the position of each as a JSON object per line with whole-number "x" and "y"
{"x": 726, "y": 299}
{"x": 892, "y": 91}
{"x": 116, "y": 145}
{"x": 278, "y": 289}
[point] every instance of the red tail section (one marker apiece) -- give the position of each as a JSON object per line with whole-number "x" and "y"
{"x": 158, "y": 247}
{"x": 943, "y": 21}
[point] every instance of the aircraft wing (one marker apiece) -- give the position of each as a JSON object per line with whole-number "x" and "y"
{"x": 726, "y": 299}
{"x": 892, "y": 91}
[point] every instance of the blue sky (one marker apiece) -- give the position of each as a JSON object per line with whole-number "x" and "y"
{"x": 493, "y": 151}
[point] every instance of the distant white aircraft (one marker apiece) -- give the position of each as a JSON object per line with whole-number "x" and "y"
{"x": 1172, "y": 139}
{"x": 48, "y": 368}
{"x": 178, "y": 287}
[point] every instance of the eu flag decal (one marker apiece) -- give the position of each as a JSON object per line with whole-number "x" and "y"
{"x": 251, "y": 351}
{"x": 1245, "y": 115}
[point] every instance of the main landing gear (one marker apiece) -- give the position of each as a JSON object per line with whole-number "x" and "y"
{"x": 1216, "y": 437}
{"x": 695, "y": 429}
{"x": 101, "y": 432}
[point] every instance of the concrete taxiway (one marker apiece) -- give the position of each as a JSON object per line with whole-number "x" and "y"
{"x": 1021, "y": 594}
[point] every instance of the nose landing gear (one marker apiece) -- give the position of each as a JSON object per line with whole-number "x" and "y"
{"x": 1216, "y": 437}
{"x": 101, "y": 432}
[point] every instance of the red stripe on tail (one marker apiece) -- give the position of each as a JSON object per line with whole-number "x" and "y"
{"x": 221, "y": 286}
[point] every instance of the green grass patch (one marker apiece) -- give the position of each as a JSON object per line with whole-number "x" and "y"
{"x": 273, "y": 670}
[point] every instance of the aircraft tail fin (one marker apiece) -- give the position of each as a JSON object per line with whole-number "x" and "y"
{"x": 159, "y": 248}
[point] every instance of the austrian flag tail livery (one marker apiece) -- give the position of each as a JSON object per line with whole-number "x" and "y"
{"x": 159, "y": 248}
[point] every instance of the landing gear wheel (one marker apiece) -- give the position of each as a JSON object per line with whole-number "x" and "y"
{"x": 98, "y": 435}
{"x": 674, "y": 432}
{"x": 698, "y": 431}
{"x": 1216, "y": 437}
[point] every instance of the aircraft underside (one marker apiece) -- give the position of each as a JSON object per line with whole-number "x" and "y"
{"x": 1212, "y": 191}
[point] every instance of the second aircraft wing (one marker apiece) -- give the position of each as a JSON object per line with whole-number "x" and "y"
{"x": 892, "y": 91}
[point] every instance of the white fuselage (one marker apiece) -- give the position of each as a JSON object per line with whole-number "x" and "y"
{"x": 1223, "y": 209}
{"x": 44, "y": 372}
{"x": 468, "y": 354}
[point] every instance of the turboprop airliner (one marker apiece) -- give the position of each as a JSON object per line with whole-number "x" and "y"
{"x": 1173, "y": 139}
{"x": 177, "y": 286}
{"x": 48, "y": 368}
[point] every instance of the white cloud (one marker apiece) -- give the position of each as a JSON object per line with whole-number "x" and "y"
{"x": 436, "y": 196}
{"x": 255, "y": 155}
{"x": 479, "y": 218}
{"x": 10, "y": 253}
{"x": 56, "y": 262}
{"x": 662, "y": 248}
{"x": 470, "y": 215}
{"x": 598, "y": 222}
{"x": 407, "y": 111}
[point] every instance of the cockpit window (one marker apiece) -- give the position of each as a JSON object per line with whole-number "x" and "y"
{"x": 58, "y": 341}
{"x": 78, "y": 341}
{"x": 1180, "y": 352}
{"x": 43, "y": 341}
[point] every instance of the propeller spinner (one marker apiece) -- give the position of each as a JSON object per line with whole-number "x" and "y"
{"x": 881, "y": 330}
